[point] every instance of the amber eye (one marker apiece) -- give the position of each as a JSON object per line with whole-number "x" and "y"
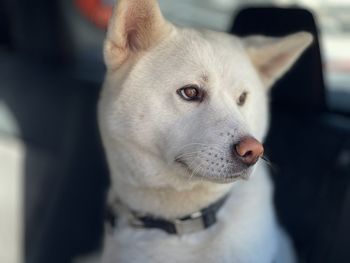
{"x": 242, "y": 98}
{"x": 191, "y": 93}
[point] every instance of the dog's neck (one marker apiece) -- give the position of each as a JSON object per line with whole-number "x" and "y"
{"x": 167, "y": 202}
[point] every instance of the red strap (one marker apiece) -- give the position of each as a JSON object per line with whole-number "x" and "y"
{"x": 96, "y": 11}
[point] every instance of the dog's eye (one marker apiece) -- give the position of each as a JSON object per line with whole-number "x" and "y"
{"x": 242, "y": 99}
{"x": 191, "y": 93}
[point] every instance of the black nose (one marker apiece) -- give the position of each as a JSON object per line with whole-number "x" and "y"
{"x": 248, "y": 150}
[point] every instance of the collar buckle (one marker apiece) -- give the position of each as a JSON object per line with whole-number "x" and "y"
{"x": 189, "y": 225}
{"x": 136, "y": 222}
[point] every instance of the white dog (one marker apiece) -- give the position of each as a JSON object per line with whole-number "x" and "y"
{"x": 182, "y": 114}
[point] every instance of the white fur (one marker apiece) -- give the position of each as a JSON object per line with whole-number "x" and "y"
{"x": 145, "y": 125}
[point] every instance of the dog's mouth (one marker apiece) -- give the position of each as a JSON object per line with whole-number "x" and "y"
{"x": 227, "y": 177}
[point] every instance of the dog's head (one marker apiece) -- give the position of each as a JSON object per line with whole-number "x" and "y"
{"x": 185, "y": 103}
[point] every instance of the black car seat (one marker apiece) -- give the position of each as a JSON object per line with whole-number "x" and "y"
{"x": 306, "y": 143}
{"x": 64, "y": 171}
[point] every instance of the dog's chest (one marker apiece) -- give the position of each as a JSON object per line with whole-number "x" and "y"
{"x": 222, "y": 248}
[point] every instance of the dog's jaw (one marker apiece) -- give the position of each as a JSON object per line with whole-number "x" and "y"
{"x": 162, "y": 189}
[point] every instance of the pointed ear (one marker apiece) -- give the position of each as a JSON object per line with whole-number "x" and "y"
{"x": 272, "y": 57}
{"x": 136, "y": 25}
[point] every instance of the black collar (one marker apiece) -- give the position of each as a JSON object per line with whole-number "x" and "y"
{"x": 194, "y": 222}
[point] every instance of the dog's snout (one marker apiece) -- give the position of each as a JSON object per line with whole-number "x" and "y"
{"x": 248, "y": 150}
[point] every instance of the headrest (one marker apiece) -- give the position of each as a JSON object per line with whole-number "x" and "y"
{"x": 302, "y": 88}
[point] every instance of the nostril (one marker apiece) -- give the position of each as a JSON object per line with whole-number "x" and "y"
{"x": 242, "y": 151}
{"x": 247, "y": 154}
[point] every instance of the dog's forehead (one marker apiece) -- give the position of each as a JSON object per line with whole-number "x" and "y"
{"x": 204, "y": 54}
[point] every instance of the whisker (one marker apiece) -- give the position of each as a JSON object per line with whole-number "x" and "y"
{"x": 188, "y": 154}
{"x": 269, "y": 163}
{"x": 205, "y": 146}
{"x": 194, "y": 171}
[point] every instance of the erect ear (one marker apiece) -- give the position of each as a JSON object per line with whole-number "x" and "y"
{"x": 136, "y": 25}
{"x": 272, "y": 57}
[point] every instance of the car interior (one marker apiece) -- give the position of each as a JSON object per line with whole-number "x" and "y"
{"x": 51, "y": 74}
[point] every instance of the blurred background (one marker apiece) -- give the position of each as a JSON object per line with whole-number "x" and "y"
{"x": 53, "y": 176}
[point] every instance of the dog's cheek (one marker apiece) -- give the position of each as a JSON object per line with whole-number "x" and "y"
{"x": 179, "y": 135}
